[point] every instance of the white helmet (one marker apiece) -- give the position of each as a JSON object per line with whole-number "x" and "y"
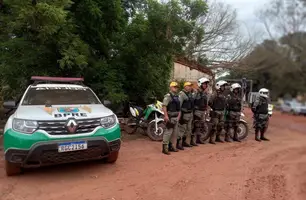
{"x": 202, "y": 80}
{"x": 264, "y": 92}
{"x": 235, "y": 86}
{"x": 219, "y": 84}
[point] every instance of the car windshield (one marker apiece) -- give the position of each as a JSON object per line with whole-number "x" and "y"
{"x": 59, "y": 96}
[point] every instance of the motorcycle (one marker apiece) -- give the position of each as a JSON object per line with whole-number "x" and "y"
{"x": 150, "y": 120}
{"x": 270, "y": 110}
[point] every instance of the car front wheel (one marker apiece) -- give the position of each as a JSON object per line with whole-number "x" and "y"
{"x": 112, "y": 158}
{"x": 12, "y": 169}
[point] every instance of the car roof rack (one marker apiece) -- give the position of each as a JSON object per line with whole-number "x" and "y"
{"x": 47, "y": 79}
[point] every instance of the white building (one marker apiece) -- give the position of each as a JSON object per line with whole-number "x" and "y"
{"x": 191, "y": 71}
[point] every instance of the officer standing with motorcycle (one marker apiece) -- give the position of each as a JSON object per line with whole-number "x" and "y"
{"x": 186, "y": 137}
{"x": 171, "y": 109}
{"x": 217, "y": 104}
{"x": 261, "y": 114}
{"x": 200, "y": 110}
{"x": 233, "y": 112}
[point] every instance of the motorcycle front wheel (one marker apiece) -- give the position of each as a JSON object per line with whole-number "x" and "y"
{"x": 156, "y": 135}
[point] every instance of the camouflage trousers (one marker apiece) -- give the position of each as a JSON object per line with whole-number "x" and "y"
{"x": 261, "y": 121}
{"x": 185, "y": 127}
{"x": 217, "y": 119}
{"x": 171, "y": 134}
{"x": 232, "y": 121}
{"x": 200, "y": 127}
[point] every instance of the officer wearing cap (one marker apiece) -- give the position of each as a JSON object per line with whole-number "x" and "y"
{"x": 171, "y": 108}
{"x": 186, "y": 137}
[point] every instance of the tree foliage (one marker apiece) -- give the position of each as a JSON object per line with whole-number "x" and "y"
{"x": 123, "y": 48}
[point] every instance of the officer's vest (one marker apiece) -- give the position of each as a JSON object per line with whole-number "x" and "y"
{"x": 262, "y": 108}
{"x": 187, "y": 106}
{"x": 234, "y": 103}
{"x": 174, "y": 106}
{"x": 219, "y": 102}
{"x": 200, "y": 102}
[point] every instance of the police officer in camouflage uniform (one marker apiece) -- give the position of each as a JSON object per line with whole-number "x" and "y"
{"x": 217, "y": 103}
{"x": 200, "y": 110}
{"x": 261, "y": 116}
{"x": 171, "y": 108}
{"x": 186, "y": 137}
{"x": 233, "y": 112}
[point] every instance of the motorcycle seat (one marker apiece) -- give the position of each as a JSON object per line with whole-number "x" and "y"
{"x": 136, "y": 111}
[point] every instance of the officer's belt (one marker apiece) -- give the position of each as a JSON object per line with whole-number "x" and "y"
{"x": 186, "y": 111}
{"x": 218, "y": 109}
{"x": 233, "y": 110}
{"x": 173, "y": 114}
{"x": 200, "y": 108}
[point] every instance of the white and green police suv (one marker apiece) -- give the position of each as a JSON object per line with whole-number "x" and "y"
{"x": 59, "y": 120}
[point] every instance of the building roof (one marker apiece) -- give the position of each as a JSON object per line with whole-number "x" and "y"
{"x": 194, "y": 65}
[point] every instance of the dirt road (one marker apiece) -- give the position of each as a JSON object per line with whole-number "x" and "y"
{"x": 251, "y": 170}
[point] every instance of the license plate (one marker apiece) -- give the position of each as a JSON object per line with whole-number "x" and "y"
{"x": 72, "y": 146}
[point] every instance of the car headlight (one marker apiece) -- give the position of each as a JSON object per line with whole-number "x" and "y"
{"x": 109, "y": 121}
{"x": 24, "y": 126}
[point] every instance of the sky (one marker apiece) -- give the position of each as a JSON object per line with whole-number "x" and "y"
{"x": 246, "y": 10}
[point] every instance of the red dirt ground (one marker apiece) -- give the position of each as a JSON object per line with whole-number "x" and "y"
{"x": 250, "y": 171}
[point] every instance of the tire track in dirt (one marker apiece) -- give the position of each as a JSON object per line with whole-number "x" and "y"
{"x": 270, "y": 179}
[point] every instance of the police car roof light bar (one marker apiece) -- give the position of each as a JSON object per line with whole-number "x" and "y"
{"x": 56, "y": 79}
{"x": 47, "y": 79}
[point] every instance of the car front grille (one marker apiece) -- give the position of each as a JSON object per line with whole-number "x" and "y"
{"x": 53, "y": 157}
{"x": 58, "y": 127}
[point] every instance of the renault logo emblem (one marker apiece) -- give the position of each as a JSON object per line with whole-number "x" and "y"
{"x": 71, "y": 125}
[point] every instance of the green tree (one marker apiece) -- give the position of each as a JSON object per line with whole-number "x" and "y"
{"x": 38, "y": 38}
{"x": 124, "y": 49}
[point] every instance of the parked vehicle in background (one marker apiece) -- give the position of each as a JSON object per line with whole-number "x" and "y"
{"x": 293, "y": 107}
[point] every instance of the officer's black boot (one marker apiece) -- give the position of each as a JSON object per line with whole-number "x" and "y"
{"x": 212, "y": 137}
{"x": 236, "y": 138}
{"x": 171, "y": 148}
{"x": 192, "y": 142}
{"x": 257, "y": 135}
{"x": 199, "y": 140}
{"x": 165, "y": 149}
{"x": 179, "y": 144}
{"x": 262, "y": 136}
{"x": 218, "y": 139}
{"x": 227, "y": 137}
{"x": 185, "y": 144}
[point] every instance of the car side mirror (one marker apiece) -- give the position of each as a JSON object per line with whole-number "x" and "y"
{"x": 9, "y": 104}
{"x": 107, "y": 103}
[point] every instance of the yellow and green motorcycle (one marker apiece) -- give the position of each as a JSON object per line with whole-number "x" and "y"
{"x": 150, "y": 120}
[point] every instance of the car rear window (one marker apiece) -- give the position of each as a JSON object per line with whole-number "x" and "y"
{"x": 59, "y": 96}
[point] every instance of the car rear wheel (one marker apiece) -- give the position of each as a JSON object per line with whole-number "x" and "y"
{"x": 12, "y": 169}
